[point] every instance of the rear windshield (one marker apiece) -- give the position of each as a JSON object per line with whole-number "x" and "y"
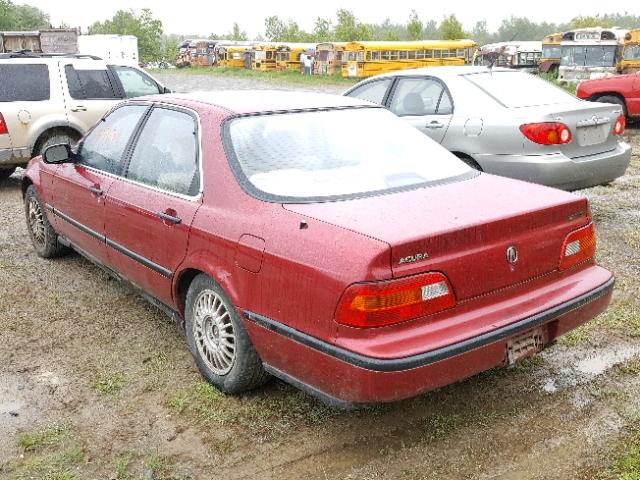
{"x": 332, "y": 154}
{"x": 518, "y": 89}
{"x": 24, "y": 82}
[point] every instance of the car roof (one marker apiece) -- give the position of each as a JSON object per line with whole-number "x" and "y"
{"x": 443, "y": 71}
{"x": 262, "y": 101}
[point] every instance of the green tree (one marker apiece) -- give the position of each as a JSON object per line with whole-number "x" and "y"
{"x": 236, "y": 33}
{"x": 521, "y": 28}
{"x": 274, "y": 29}
{"x": 147, "y": 29}
{"x": 480, "y": 33}
{"x": 348, "y": 28}
{"x": 594, "y": 21}
{"x": 21, "y": 17}
{"x": 431, "y": 30}
{"x": 322, "y": 30}
{"x": 414, "y": 26}
{"x": 451, "y": 28}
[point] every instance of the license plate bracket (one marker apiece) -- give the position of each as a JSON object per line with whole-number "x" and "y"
{"x": 524, "y": 345}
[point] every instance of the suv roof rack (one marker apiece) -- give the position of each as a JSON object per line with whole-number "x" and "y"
{"x": 31, "y": 54}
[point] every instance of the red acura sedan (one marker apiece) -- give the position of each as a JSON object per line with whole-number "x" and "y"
{"x": 319, "y": 239}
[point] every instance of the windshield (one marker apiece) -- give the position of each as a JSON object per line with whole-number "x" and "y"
{"x": 321, "y": 155}
{"x": 588, "y": 56}
{"x": 551, "y": 51}
{"x": 631, "y": 52}
{"x": 519, "y": 89}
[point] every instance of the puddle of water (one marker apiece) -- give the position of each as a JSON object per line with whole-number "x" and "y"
{"x": 577, "y": 366}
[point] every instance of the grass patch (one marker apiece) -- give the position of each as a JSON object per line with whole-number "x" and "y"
{"x": 287, "y": 76}
{"x": 269, "y": 413}
{"x": 122, "y": 466}
{"x": 625, "y": 462}
{"x": 51, "y": 435}
{"x": 109, "y": 383}
{"x": 552, "y": 78}
{"x": 59, "y": 466}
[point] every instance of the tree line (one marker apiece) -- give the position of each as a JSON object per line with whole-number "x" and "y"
{"x": 154, "y": 44}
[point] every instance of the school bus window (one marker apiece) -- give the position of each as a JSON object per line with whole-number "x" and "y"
{"x": 437, "y": 54}
{"x": 394, "y": 55}
{"x": 375, "y": 55}
{"x": 361, "y": 56}
{"x": 428, "y": 54}
{"x": 368, "y": 56}
{"x": 631, "y": 52}
{"x": 412, "y": 55}
{"x": 461, "y": 52}
{"x": 404, "y": 55}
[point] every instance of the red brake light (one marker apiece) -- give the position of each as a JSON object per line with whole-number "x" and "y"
{"x": 547, "y": 133}
{"x": 619, "y": 126}
{"x": 580, "y": 245}
{"x": 394, "y": 301}
{"x": 3, "y": 126}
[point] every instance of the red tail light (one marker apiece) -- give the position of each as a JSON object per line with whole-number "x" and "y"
{"x": 580, "y": 245}
{"x": 619, "y": 126}
{"x": 394, "y": 301}
{"x": 547, "y": 133}
{"x": 3, "y": 126}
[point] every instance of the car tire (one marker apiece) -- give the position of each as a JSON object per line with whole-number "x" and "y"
{"x": 615, "y": 100}
{"x": 54, "y": 138}
{"x": 218, "y": 340}
{"x": 6, "y": 173}
{"x": 43, "y": 237}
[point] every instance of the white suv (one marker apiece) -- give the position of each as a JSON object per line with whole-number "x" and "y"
{"x": 47, "y": 99}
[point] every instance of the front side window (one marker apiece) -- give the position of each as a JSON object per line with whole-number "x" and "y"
{"x": 631, "y": 52}
{"x": 551, "y": 51}
{"x": 136, "y": 83}
{"x": 312, "y": 156}
{"x": 24, "y": 83}
{"x": 89, "y": 84}
{"x": 104, "y": 146}
{"x": 372, "y": 91}
{"x": 418, "y": 96}
{"x": 166, "y": 153}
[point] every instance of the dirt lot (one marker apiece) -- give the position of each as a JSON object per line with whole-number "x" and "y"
{"x": 95, "y": 384}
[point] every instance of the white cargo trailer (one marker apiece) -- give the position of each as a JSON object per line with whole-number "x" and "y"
{"x": 116, "y": 49}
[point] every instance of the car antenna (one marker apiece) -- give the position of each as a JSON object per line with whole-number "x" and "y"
{"x": 500, "y": 52}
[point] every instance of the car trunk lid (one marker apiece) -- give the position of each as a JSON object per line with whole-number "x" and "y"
{"x": 464, "y": 229}
{"x": 591, "y": 126}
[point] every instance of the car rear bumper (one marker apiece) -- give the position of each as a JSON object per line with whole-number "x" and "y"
{"x": 558, "y": 170}
{"x": 346, "y": 377}
{"x": 11, "y": 157}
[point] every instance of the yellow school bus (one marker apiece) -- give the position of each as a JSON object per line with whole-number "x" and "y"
{"x": 551, "y": 53}
{"x": 232, "y": 56}
{"x": 288, "y": 55}
{"x": 328, "y": 58}
{"x": 630, "y": 59}
{"x": 364, "y": 59}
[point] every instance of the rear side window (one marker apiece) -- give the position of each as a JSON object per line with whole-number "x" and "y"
{"x": 372, "y": 91}
{"x": 89, "y": 84}
{"x": 24, "y": 83}
{"x": 104, "y": 146}
{"x": 166, "y": 154}
{"x": 420, "y": 96}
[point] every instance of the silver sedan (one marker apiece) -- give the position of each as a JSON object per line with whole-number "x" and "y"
{"x": 508, "y": 123}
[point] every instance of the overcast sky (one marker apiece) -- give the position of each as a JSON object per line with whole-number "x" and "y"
{"x": 215, "y": 16}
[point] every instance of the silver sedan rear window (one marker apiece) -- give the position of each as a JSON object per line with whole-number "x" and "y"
{"x": 327, "y": 154}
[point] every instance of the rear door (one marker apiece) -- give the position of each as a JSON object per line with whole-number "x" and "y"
{"x": 90, "y": 89}
{"x": 425, "y": 103}
{"x": 79, "y": 188}
{"x": 149, "y": 211}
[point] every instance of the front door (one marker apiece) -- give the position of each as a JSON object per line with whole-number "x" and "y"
{"x": 79, "y": 188}
{"x": 425, "y": 103}
{"x": 149, "y": 211}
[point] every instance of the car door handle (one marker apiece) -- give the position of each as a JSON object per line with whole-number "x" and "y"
{"x": 78, "y": 108}
{"x": 169, "y": 218}
{"x": 434, "y": 124}
{"x": 96, "y": 190}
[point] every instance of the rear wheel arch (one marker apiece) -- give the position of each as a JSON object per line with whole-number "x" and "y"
{"x": 469, "y": 160}
{"x": 186, "y": 276}
{"x": 611, "y": 97}
{"x": 52, "y": 133}
{"x": 26, "y": 182}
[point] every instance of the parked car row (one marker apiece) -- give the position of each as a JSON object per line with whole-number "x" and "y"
{"x": 332, "y": 241}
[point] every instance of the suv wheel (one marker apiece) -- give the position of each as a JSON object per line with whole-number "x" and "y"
{"x": 218, "y": 341}
{"x": 615, "y": 100}
{"x": 54, "y": 138}
{"x": 43, "y": 236}
{"x": 6, "y": 173}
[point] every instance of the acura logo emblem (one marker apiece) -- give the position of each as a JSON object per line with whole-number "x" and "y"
{"x": 512, "y": 254}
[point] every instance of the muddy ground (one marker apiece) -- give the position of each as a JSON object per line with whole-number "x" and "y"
{"x": 97, "y": 384}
